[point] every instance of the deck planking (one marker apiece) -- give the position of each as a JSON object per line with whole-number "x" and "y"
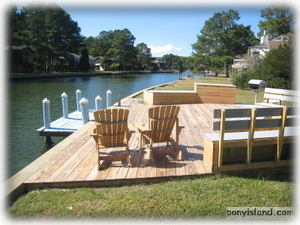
{"x": 75, "y": 165}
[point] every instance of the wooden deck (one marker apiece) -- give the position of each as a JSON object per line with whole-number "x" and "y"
{"x": 75, "y": 162}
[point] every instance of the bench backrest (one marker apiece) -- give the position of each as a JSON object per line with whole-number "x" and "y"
{"x": 234, "y": 120}
{"x": 281, "y": 95}
{"x": 251, "y": 120}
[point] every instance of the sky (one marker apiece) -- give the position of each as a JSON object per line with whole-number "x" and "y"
{"x": 164, "y": 30}
{"x": 166, "y": 26}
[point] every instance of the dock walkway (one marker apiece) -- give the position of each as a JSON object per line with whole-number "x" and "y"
{"x": 65, "y": 126}
{"x": 73, "y": 162}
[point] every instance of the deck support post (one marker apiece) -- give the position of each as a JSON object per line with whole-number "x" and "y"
{"x": 64, "y": 99}
{"x": 84, "y": 104}
{"x": 98, "y": 103}
{"x": 46, "y": 113}
{"x": 48, "y": 141}
{"x": 78, "y": 98}
{"x": 119, "y": 100}
{"x": 108, "y": 98}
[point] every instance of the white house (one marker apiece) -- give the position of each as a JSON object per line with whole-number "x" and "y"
{"x": 260, "y": 50}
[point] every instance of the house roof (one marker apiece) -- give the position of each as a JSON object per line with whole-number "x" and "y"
{"x": 280, "y": 40}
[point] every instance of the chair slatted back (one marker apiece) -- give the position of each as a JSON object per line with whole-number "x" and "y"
{"x": 111, "y": 126}
{"x": 162, "y": 120}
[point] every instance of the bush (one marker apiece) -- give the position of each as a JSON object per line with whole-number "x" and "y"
{"x": 240, "y": 79}
{"x": 276, "y": 69}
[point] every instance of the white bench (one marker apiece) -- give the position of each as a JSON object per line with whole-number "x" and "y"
{"x": 250, "y": 138}
{"x": 275, "y": 96}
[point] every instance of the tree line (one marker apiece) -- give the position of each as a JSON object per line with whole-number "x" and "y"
{"x": 52, "y": 34}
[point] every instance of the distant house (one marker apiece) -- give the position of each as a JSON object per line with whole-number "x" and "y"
{"x": 70, "y": 62}
{"x": 159, "y": 63}
{"x": 239, "y": 61}
{"x": 21, "y": 59}
{"x": 260, "y": 50}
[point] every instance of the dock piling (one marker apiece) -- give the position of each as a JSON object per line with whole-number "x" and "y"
{"x": 64, "y": 99}
{"x": 84, "y": 104}
{"x": 46, "y": 113}
{"x": 108, "y": 98}
{"x": 98, "y": 103}
{"x": 78, "y": 98}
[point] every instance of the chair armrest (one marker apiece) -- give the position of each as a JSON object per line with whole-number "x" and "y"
{"x": 131, "y": 128}
{"x": 92, "y": 131}
{"x": 140, "y": 126}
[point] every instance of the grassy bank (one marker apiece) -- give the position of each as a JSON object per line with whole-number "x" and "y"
{"x": 242, "y": 96}
{"x": 205, "y": 197}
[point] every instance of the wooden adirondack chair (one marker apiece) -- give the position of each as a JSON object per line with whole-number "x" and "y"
{"x": 162, "y": 120}
{"x": 111, "y": 131}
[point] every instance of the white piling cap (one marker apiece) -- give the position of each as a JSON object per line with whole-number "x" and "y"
{"x": 84, "y": 101}
{"x": 98, "y": 98}
{"x": 78, "y": 91}
{"x": 46, "y": 100}
{"x": 64, "y": 95}
{"x": 108, "y": 92}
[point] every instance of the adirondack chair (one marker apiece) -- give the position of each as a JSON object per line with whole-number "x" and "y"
{"x": 111, "y": 131}
{"x": 162, "y": 120}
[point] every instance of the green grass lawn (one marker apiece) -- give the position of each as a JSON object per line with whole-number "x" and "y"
{"x": 205, "y": 197}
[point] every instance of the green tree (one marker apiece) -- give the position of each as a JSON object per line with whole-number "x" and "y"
{"x": 278, "y": 20}
{"x": 277, "y": 67}
{"x": 143, "y": 55}
{"x": 175, "y": 62}
{"x": 225, "y": 37}
{"x": 84, "y": 64}
{"x": 49, "y": 31}
{"x": 123, "y": 47}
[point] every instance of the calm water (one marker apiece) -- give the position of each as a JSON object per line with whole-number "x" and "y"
{"x": 25, "y": 107}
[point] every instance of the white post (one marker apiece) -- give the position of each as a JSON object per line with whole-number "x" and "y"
{"x": 46, "y": 113}
{"x": 98, "y": 103}
{"x": 108, "y": 98}
{"x": 78, "y": 97}
{"x": 84, "y": 104}
{"x": 255, "y": 98}
{"x": 64, "y": 100}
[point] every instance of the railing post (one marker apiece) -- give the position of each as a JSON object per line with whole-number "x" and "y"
{"x": 108, "y": 98}
{"x": 64, "y": 99}
{"x": 98, "y": 103}
{"x": 84, "y": 104}
{"x": 78, "y": 98}
{"x": 46, "y": 113}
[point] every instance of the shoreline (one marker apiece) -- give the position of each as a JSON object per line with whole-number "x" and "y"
{"x": 77, "y": 74}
